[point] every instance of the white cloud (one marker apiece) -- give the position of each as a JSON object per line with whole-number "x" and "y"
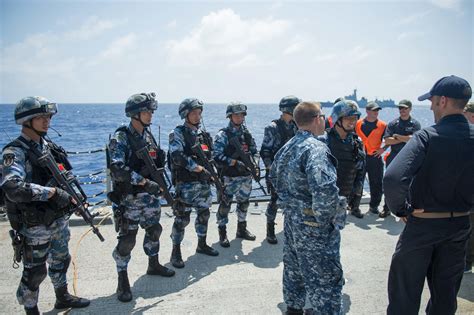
{"x": 172, "y": 24}
{"x": 447, "y": 4}
{"x": 92, "y": 27}
{"x": 119, "y": 46}
{"x": 409, "y": 35}
{"x": 359, "y": 53}
{"x": 325, "y": 57}
{"x": 223, "y": 35}
{"x": 294, "y": 48}
{"x": 413, "y": 18}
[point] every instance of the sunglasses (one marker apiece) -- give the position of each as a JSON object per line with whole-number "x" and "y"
{"x": 320, "y": 115}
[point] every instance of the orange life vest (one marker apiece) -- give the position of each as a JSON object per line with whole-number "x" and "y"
{"x": 373, "y": 142}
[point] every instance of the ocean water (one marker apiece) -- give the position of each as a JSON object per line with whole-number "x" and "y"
{"x": 86, "y": 127}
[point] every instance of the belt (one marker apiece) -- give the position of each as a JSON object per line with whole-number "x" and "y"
{"x": 439, "y": 215}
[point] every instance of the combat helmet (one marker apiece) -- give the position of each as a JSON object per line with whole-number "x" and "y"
{"x": 288, "y": 104}
{"x": 235, "y": 108}
{"x": 344, "y": 108}
{"x": 33, "y": 106}
{"x": 189, "y": 105}
{"x": 141, "y": 102}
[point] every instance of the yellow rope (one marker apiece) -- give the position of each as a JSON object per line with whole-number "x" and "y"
{"x": 76, "y": 249}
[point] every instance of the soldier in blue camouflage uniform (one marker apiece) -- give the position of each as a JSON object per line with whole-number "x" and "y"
{"x": 237, "y": 178}
{"x": 347, "y": 148}
{"x": 36, "y": 211}
{"x": 304, "y": 177}
{"x": 275, "y": 136}
{"x": 135, "y": 194}
{"x": 192, "y": 182}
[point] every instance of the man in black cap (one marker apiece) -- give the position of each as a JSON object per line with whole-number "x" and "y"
{"x": 371, "y": 131}
{"x": 397, "y": 134}
{"x": 429, "y": 185}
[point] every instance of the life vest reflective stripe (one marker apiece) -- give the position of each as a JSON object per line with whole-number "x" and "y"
{"x": 374, "y": 141}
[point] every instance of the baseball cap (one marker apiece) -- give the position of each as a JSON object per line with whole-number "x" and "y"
{"x": 450, "y": 86}
{"x": 404, "y": 103}
{"x": 372, "y": 106}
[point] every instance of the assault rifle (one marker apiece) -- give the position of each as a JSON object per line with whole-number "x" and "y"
{"x": 248, "y": 161}
{"x": 156, "y": 174}
{"x": 66, "y": 181}
{"x": 210, "y": 170}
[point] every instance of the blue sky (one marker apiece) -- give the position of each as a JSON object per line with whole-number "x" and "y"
{"x": 220, "y": 51}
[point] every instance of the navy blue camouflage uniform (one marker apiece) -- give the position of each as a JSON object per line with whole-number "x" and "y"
{"x": 304, "y": 176}
{"x": 237, "y": 179}
{"x": 45, "y": 242}
{"x": 193, "y": 189}
{"x": 275, "y": 136}
{"x": 137, "y": 207}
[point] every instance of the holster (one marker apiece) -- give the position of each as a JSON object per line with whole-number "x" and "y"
{"x": 118, "y": 218}
{"x": 18, "y": 242}
{"x": 179, "y": 208}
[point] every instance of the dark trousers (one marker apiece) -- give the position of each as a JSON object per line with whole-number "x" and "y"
{"x": 374, "y": 168}
{"x": 433, "y": 249}
{"x": 470, "y": 243}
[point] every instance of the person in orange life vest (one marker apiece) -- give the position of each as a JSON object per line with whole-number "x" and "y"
{"x": 397, "y": 134}
{"x": 371, "y": 131}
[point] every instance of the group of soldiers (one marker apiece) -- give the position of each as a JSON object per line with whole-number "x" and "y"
{"x": 38, "y": 208}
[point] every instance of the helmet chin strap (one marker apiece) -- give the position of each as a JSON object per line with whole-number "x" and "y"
{"x": 339, "y": 124}
{"x": 140, "y": 121}
{"x": 39, "y": 133}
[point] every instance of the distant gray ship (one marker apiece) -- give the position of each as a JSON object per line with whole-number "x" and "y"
{"x": 363, "y": 101}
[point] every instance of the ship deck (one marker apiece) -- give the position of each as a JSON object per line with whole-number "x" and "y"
{"x": 244, "y": 279}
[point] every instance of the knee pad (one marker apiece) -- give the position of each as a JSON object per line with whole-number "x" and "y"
{"x": 203, "y": 216}
{"x": 32, "y": 277}
{"x": 183, "y": 220}
{"x": 65, "y": 267}
{"x": 154, "y": 232}
{"x": 127, "y": 243}
{"x": 243, "y": 206}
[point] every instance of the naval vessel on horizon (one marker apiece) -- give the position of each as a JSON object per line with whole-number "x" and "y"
{"x": 363, "y": 101}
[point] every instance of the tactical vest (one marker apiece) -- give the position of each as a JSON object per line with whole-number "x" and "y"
{"x": 181, "y": 174}
{"x": 245, "y": 140}
{"x": 444, "y": 181}
{"x": 136, "y": 164}
{"x": 347, "y": 155}
{"x": 285, "y": 133}
{"x": 37, "y": 212}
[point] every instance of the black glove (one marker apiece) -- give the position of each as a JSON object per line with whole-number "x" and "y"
{"x": 152, "y": 188}
{"x": 61, "y": 198}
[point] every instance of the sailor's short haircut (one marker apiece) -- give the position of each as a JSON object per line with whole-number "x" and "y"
{"x": 305, "y": 112}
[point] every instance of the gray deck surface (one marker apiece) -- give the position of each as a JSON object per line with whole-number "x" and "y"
{"x": 243, "y": 279}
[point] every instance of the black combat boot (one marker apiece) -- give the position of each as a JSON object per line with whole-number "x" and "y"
{"x": 156, "y": 269}
{"x": 32, "y": 310}
{"x": 123, "y": 288}
{"x": 223, "y": 236}
{"x": 357, "y": 213}
{"x": 203, "y": 248}
{"x": 385, "y": 212}
{"x": 176, "y": 259}
{"x": 66, "y": 300}
{"x": 242, "y": 232}
{"x": 271, "y": 238}
{"x": 293, "y": 311}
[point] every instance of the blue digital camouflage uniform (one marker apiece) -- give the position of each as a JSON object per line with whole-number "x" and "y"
{"x": 194, "y": 194}
{"x": 304, "y": 177}
{"x": 238, "y": 186}
{"x": 44, "y": 243}
{"x": 273, "y": 139}
{"x": 140, "y": 209}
